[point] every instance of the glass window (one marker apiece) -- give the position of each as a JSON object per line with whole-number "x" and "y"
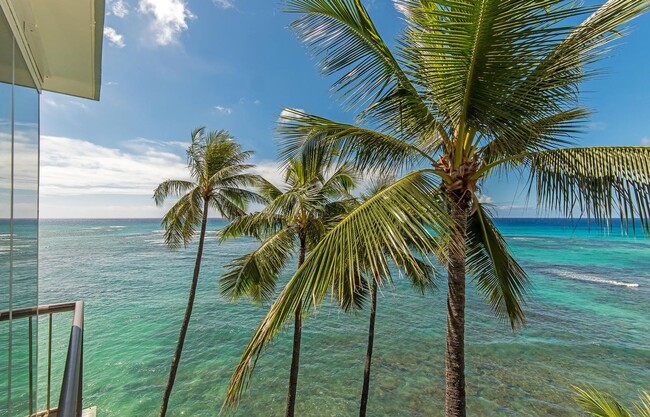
{"x": 19, "y": 158}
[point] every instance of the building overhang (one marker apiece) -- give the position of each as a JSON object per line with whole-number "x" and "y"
{"x": 61, "y": 41}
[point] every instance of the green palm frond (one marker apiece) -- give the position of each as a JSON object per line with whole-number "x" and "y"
{"x": 342, "y": 34}
{"x": 255, "y": 274}
{"x": 643, "y": 407}
{"x": 196, "y": 154}
{"x": 228, "y": 208}
{"x": 598, "y": 404}
{"x": 600, "y": 182}
{"x": 183, "y": 218}
{"x": 303, "y": 134}
{"x": 341, "y": 182}
{"x": 497, "y": 67}
{"x": 268, "y": 190}
{"x": 498, "y": 276}
{"x": 241, "y": 197}
{"x": 257, "y": 225}
{"x": 171, "y": 188}
{"x": 370, "y": 236}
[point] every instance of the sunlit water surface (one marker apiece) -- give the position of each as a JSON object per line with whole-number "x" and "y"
{"x": 588, "y": 323}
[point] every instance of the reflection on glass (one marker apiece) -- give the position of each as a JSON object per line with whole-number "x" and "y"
{"x": 6, "y": 67}
{"x": 25, "y": 246}
{"x": 19, "y": 141}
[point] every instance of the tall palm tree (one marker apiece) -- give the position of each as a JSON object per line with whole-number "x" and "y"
{"x": 218, "y": 170}
{"x": 476, "y": 87}
{"x": 296, "y": 217}
{"x": 598, "y": 404}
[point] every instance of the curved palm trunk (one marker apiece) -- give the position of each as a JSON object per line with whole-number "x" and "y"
{"x": 371, "y": 339}
{"x": 297, "y": 334}
{"x": 188, "y": 313}
{"x": 455, "y": 357}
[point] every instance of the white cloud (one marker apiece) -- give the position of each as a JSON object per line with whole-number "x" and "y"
{"x": 288, "y": 114}
{"x": 169, "y": 18}
{"x": 226, "y": 111}
{"x": 257, "y": 102}
{"x": 60, "y": 102}
{"x": 83, "y": 179}
{"x": 119, "y": 8}
{"x": 271, "y": 171}
{"x": 484, "y": 199}
{"x": 78, "y": 167}
{"x": 645, "y": 141}
{"x": 224, "y": 4}
{"x": 113, "y": 37}
{"x": 597, "y": 125}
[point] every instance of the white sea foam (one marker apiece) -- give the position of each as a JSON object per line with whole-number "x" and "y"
{"x": 592, "y": 278}
{"x": 116, "y": 227}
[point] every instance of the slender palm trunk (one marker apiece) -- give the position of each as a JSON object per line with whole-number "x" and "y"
{"x": 297, "y": 334}
{"x": 188, "y": 313}
{"x": 371, "y": 339}
{"x": 455, "y": 357}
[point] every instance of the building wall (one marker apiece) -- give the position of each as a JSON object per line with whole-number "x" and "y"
{"x": 19, "y": 174}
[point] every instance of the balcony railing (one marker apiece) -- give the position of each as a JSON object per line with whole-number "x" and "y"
{"x": 70, "y": 397}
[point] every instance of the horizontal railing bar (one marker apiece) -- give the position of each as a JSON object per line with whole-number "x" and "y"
{"x": 20, "y": 313}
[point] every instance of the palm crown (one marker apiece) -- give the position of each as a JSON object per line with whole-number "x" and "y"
{"x": 296, "y": 217}
{"x": 475, "y": 87}
{"x": 219, "y": 180}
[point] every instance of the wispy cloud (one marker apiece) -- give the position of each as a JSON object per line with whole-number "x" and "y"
{"x": 62, "y": 103}
{"x": 170, "y": 19}
{"x": 114, "y": 38}
{"x": 645, "y": 141}
{"x": 226, "y": 111}
{"x": 119, "y": 8}
{"x": 83, "y": 179}
{"x": 484, "y": 199}
{"x": 271, "y": 171}
{"x": 224, "y": 4}
{"x": 597, "y": 126}
{"x": 78, "y": 167}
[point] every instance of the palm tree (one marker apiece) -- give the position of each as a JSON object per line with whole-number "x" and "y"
{"x": 598, "y": 404}
{"x": 294, "y": 218}
{"x": 476, "y": 87}
{"x": 218, "y": 171}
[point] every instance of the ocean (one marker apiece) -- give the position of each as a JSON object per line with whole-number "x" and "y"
{"x": 588, "y": 323}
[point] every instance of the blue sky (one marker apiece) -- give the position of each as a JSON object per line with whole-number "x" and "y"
{"x": 172, "y": 65}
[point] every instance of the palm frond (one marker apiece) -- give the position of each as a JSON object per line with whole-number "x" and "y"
{"x": 258, "y": 225}
{"x": 269, "y": 191}
{"x": 256, "y": 274}
{"x": 598, "y": 404}
{"x": 227, "y": 207}
{"x": 498, "y": 276}
{"x": 370, "y": 236}
{"x": 599, "y": 182}
{"x": 304, "y": 134}
{"x": 170, "y": 188}
{"x": 341, "y": 182}
{"x": 497, "y": 67}
{"x": 182, "y": 219}
{"x": 346, "y": 39}
{"x": 643, "y": 407}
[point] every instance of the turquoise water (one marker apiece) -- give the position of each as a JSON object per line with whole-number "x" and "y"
{"x": 588, "y": 322}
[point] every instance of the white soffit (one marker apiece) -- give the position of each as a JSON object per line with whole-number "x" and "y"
{"x": 64, "y": 39}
